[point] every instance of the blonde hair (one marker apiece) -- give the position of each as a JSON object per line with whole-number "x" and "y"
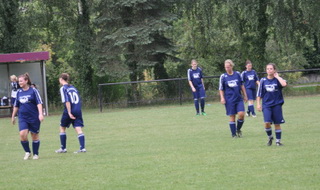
{"x": 229, "y": 61}
{"x": 13, "y": 77}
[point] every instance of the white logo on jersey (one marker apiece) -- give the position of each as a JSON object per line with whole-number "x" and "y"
{"x": 232, "y": 83}
{"x": 196, "y": 75}
{"x": 271, "y": 87}
{"x": 250, "y": 77}
{"x": 24, "y": 99}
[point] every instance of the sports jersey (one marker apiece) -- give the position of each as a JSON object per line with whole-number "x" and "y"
{"x": 231, "y": 85}
{"x": 27, "y": 102}
{"x": 270, "y": 90}
{"x": 249, "y": 78}
{"x": 14, "y": 87}
{"x": 70, "y": 94}
{"x": 195, "y": 76}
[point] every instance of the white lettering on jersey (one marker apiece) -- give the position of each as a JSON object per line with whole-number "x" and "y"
{"x": 24, "y": 99}
{"x": 232, "y": 83}
{"x": 250, "y": 77}
{"x": 271, "y": 87}
{"x": 196, "y": 75}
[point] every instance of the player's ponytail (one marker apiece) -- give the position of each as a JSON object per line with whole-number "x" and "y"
{"x": 26, "y": 77}
{"x": 65, "y": 77}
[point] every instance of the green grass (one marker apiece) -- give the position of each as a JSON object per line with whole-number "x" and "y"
{"x": 168, "y": 147}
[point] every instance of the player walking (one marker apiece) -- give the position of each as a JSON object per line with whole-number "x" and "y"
{"x": 230, "y": 87}
{"x": 197, "y": 86}
{"x": 72, "y": 114}
{"x": 251, "y": 80}
{"x": 29, "y": 105}
{"x": 270, "y": 91}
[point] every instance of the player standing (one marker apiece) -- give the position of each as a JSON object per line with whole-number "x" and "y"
{"x": 230, "y": 87}
{"x": 270, "y": 91}
{"x": 72, "y": 114}
{"x": 29, "y": 105}
{"x": 14, "y": 88}
{"x": 197, "y": 86}
{"x": 251, "y": 80}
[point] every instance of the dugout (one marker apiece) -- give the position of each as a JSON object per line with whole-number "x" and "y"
{"x": 20, "y": 63}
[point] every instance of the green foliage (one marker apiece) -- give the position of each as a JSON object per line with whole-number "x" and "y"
{"x": 13, "y": 37}
{"x": 119, "y": 40}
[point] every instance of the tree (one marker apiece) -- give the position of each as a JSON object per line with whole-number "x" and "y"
{"x": 12, "y": 35}
{"x": 132, "y": 35}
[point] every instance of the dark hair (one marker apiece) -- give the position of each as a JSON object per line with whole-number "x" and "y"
{"x": 248, "y": 62}
{"x": 273, "y": 65}
{"x": 65, "y": 77}
{"x": 26, "y": 77}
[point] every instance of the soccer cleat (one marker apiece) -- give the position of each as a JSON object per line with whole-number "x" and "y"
{"x": 203, "y": 113}
{"x": 270, "y": 141}
{"x": 239, "y": 133}
{"x": 81, "y": 151}
{"x": 279, "y": 144}
{"x": 248, "y": 114}
{"x": 60, "y": 150}
{"x": 254, "y": 115}
{"x": 198, "y": 114}
{"x": 35, "y": 157}
{"x": 27, "y": 156}
{"x": 234, "y": 136}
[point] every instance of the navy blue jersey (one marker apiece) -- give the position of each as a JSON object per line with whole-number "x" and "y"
{"x": 270, "y": 90}
{"x": 14, "y": 88}
{"x": 27, "y": 102}
{"x": 70, "y": 94}
{"x": 231, "y": 85}
{"x": 195, "y": 76}
{"x": 249, "y": 79}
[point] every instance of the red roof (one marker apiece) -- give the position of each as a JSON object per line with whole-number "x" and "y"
{"x": 22, "y": 57}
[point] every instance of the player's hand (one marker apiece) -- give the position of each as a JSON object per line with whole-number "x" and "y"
{"x": 245, "y": 99}
{"x": 259, "y": 108}
{"x": 71, "y": 116}
{"x": 193, "y": 89}
{"x": 276, "y": 75}
{"x": 41, "y": 117}
{"x": 223, "y": 101}
{"x": 13, "y": 121}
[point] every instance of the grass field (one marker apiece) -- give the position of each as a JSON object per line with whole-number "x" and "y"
{"x": 168, "y": 147}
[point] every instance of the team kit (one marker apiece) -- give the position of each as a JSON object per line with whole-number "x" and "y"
{"x": 235, "y": 89}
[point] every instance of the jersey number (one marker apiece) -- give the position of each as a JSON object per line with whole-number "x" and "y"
{"x": 74, "y": 97}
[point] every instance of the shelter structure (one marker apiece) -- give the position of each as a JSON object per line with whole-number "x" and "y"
{"x": 20, "y": 63}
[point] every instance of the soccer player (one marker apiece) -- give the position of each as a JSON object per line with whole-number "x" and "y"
{"x": 230, "y": 87}
{"x": 72, "y": 114}
{"x": 14, "y": 88}
{"x": 197, "y": 86}
{"x": 29, "y": 105}
{"x": 251, "y": 80}
{"x": 270, "y": 91}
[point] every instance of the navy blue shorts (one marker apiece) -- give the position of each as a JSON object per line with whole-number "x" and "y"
{"x": 200, "y": 93}
{"x": 33, "y": 127}
{"x": 234, "y": 108}
{"x": 66, "y": 121}
{"x": 251, "y": 93}
{"x": 273, "y": 114}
